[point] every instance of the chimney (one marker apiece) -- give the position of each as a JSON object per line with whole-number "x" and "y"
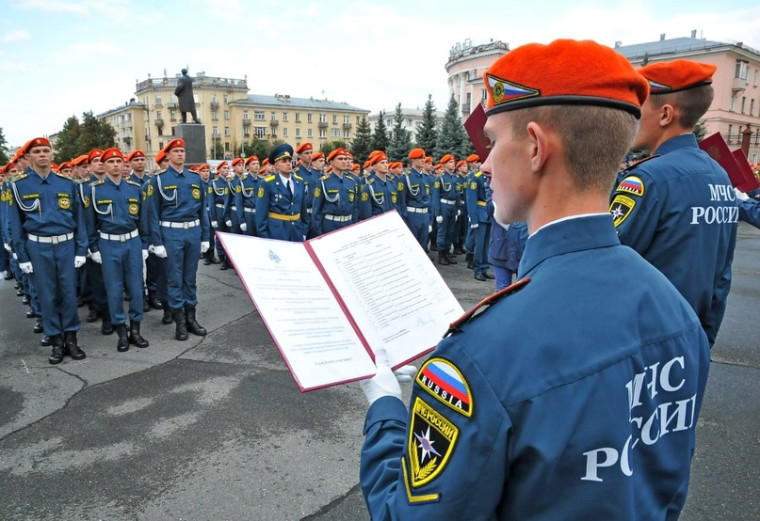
{"x": 662, "y": 37}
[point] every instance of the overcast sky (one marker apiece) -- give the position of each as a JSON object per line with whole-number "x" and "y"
{"x": 60, "y": 58}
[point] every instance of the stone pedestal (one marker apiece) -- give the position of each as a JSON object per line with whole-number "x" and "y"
{"x": 194, "y": 135}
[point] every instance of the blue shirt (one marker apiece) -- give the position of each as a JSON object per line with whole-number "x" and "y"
{"x": 417, "y": 188}
{"x": 377, "y": 196}
{"x": 444, "y": 187}
{"x": 176, "y": 197}
{"x": 335, "y": 195}
{"x": 116, "y": 209}
{"x": 476, "y": 197}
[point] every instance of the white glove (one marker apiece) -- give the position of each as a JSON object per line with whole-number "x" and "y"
{"x": 430, "y": 228}
{"x": 386, "y": 382}
{"x": 79, "y": 260}
{"x": 205, "y": 245}
{"x": 474, "y": 225}
{"x": 228, "y": 223}
{"x": 741, "y": 195}
{"x": 243, "y": 227}
{"x": 26, "y": 267}
{"x": 7, "y": 247}
{"x": 459, "y": 213}
{"x": 97, "y": 257}
{"x": 159, "y": 251}
{"x": 439, "y": 219}
{"x": 145, "y": 254}
{"x": 215, "y": 224}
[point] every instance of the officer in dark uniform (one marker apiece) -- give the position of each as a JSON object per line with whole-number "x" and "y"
{"x": 117, "y": 229}
{"x": 575, "y": 393}
{"x": 281, "y": 200}
{"x": 414, "y": 198}
{"x": 179, "y": 232}
{"x": 50, "y": 240}
{"x": 336, "y": 196}
{"x": 678, "y": 209}
{"x": 444, "y": 204}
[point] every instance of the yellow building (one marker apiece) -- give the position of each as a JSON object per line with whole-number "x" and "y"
{"x": 230, "y": 115}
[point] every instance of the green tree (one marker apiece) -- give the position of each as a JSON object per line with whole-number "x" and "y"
{"x": 94, "y": 134}
{"x": 380, "y": 139}
{"x": 700, "y": 130}
{"x": 329, "y": 146}
{"x": 66, "y": 143}
{"x": 217, "y": 149}
{"x": 401, "y": 143}
{"x": 256, "y": 147}
{"x": 426, "y": 129}
{"x": 3, "y": 151}
{"x": 452, "y": 139}
{"x": 362, "y": 144}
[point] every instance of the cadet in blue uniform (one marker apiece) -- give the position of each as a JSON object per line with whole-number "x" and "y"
{"x": 414, "y": 198}
{"x": 117, "y": 228}
{"x": 50, "y": 240}
{"x": 281, "y": 200}
{"x": 179, "y": 232}
{"x": 219, "y": 209}
{"x": 461, "y": 227}
{"x": 310, "y": 176}
{"x": 749, "y": 209}
{"x": 678, "y": 208}
{"x": 379, "y": 193}
{"x": 480, "y": 224}
{"x": 593, "y": 417}
{"x": 337, "y": 195}
{"x": 444, "y": 203}
{"x": 233, "y": 215}
{"x": 245, "y": 191}
{"x": 505, "y": 251}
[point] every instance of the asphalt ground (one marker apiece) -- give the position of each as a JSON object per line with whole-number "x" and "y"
{"x": 214, "y": 428}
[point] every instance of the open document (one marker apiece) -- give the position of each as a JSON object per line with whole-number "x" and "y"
{"x": 329, "y": 302}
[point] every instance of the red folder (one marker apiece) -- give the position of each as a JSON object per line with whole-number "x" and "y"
{"x": 474, "y": 127}
{"x": 716, "y": 148}
{"x": 749, "y": 176}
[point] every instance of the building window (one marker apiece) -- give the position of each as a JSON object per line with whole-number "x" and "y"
{"x": 226, "y": 114}
{"x": 225, "y": 99}
{"x": 322, "y": 117}
{"x": 247, "y": 131}
{"x": 347, "y": 120}
{"x": 285, "y": 132}
{"x": 483, "y": 95}
{"x": 158, "y": 101}
{"x": 346, "y": 134}
{"x": 309, "y": 133}
{"x": 309, "y": 118}
{"x": 755, "y": 81}
{"x": 261, "y": 132}
{"x": 284, "y": 116}
{"x": 335, "y": 119}
{"x": 215, "y": 132}
{"x": 358, "y": 120}
{"x": 274, "y": 116}
{"x": 173, "y": 115}
{"x": 744, "y": 102}
{"x": 742, "y": 68}
{"x": 245, "y": 115}
{"x": 298, "y": 117}
{"x": 730, "y": 138}
{"x": 214, "y": 115}
{"x": 227, "y": 131}
{"x": 298, "y": 132}
{"x": 159, "y": 115}
{"x": 733, "y": 104}
{"x": 752, "y": 107}
{"x": 322, "y": 133}
{"x": 226, "y": 146}
{"x": 258, "y": 115}
{"x": 336, "y": 132}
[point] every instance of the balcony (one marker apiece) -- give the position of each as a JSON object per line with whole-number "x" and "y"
{"x": 214, "y": 105}
{"x": 160, "y": 122}
{"x": 172, "y": 105}
{"x": 347, "y": 126}
{"x": 246, "y": 123}
{"x": 739, "y": 85}
{"x": 322, "y": 124}
{"x": 274, "y": 123}
{"x": 158, "y": 105}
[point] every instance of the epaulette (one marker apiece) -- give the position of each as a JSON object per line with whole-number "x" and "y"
{"x": 160, "y": 172}
{"x": 63, "y": 176}
{"x": 97, "y": 183}
{"x": 298, "y": 177}
{"x": 370, "y": 181}
{"x": 19, "y": 176}
{"x": 637, "y": 163}
{"x": 483, "y": 305}
{"x": 133, "y": 183}
{"x": 269, "y": 178}
{"x": 478, "y": 173}
{"x": 325, "y": 177}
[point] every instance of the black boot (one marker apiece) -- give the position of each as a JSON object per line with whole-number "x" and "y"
{"x": 56, "y": 357}
{"x": 123, "y": 343}
{"x": 468, "y": 258}
{"x": 30, "y": 313}
{"x": 443, "y": 259}
{"x": 146, "y": 303}
{"x": 180, "y": 333}
{"x": 192, "y": 325}
{"x": 168, "y": 317}
{"x": 451, "y": 258}
{"x": 70, "y": 338}
{"x": 38, "y": 326}
{"x": 106, "y": 328}
{"x": 92, "y": 315}
{"x": 134, "y": 335}
{"x": 46, "y": 341}
{"x": 153, "y": 301}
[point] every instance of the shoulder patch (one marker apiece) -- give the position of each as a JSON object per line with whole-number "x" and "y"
{"x": 133, "y": 183}
{"x": 432, "y": 438}
{"x": 269, "y": 178}
{"x": 19, "y": 176}
{"x": 478, "y": 173}
{"x": 631, "y": 185}
{"x": 298, "y": 177}
{"x": 325, "y": 177}
{"x": 620, "y": 208}
{"x": 444, "y": 381}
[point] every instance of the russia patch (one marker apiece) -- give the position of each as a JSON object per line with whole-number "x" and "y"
{"x": 442, "y": 380}
{"x": 632, "y": 185}
{"x": 621, "y": 208}
{"x": 431, "y": 442}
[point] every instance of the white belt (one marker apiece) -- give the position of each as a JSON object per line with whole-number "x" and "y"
{"x": 448, "y": 201}
{"x": 249, "y": 210}
{"x": 55, "y": 239}
{"x": 308, "y": 210}
{"x": 123, "y": 237}
{"x": 233, "y": 208}
{"x": 414, "y": 209}
{"x": 189, "y": 224}
{"x": 338, "y": 218}
{"x": 219, "y": 205}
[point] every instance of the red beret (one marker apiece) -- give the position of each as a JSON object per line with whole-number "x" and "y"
{"x": 251, "y": 158}
{"x": 375, "y": 152}
{"x": 203, "y": 166}
{"x": 64, "y": 165}
{"x": 94, "y": 153}
{"x": 461, "y": 163}
{"x": 472, "y": 158}
{"x": 238, "y": 161}
{"x": 317, "y": 155}
{"x": 54, "y": 167}
{"x": 446, "y": 158}
{"x": 135, "y": 154}
{"x": 429, "y": 159}
{"x": 161, "y": 156}
{"x": 380, "y": 156}
{"x": 355, "y": 167}
{"x": 304, "y": 147}
{"x": 564, "y": 72}
{"x": 36, "y": 142}
{"x": 338, "y": 152}
{"x": 416, "y": 153}
{"x": 438, "y": 166}
{"x": 677, "y": 75}
{"x": 265, "y": 161}
{"x": 220, "y": 165}
{"x": 110, "y": 153}
{"x": 175, "y": 143}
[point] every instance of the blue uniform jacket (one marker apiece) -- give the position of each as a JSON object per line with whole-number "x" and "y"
{"x": 278, "y": 215}
{"x": 116, "y": 210}
{"x": 335, "y": 195}
{"x": 476, "y": 198}
{"x": 416, "y": 192}
{"x": 176, "y": 197}
{"x": 575, "y": 396}
{"x": 219, "y": 200}
{"x": 45, "y": 207}
{"x": 678, "y": 210}
{"x": 377, "y": 196}
{"x": 444, "y": 187}
{"x": 244, "y": 194}
{"x": 749, "y": 211}
{"x": 507, "y": 245}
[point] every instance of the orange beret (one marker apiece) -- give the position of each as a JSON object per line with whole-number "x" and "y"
{"x": 135, "y": 154}
{"x": 677, "y": 75}
{"x": 429, "y": 159}
{"x": 261, "y": 170}
{"x": 110, "y": 153}
{"x": 438, "y": 166}
{"x": 337, "y": 152}
{"x": 175, "y": 143}
{"x": 416, "y": 153}
{"x": 220, "y": 165}
{"x": 94, "y": 153}
{"x": 397, "y": 164}
{"x": 251, "y": 158}
{"x": 317, "y": 155}
{"x": 472, "y": 158}
{"x": 367, "y": 163}
{"x": 461, "y": 163}
{"x": 380, "y": 156}
{"x": 65, "y": 165}
{"x": 446, "y": 158}
{"x": 564, "y": 72}
{"x": 375, "y": 152}
{"x": 36, "y": 142}
{"x": 54, "y": 167}
{"x": 238, "y": 161}
{"x": 355, "y": 167}
{"x": 328, "y": 169}
{"x": 79, "y": 160}
{"x": 304, "y": 147}
{"x": 203, "y": 166}
{"x": 265, "y": 161}
{"x": 161, "y": 156}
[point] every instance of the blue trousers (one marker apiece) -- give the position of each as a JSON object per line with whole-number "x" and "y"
{"x": 250, "y": 222}
{"x": 480, "y": 251}
{"x": 447, "y": 228}
{"x": 183, "y": 249}
{"x": 419, "y": 224}
{"x": 54, "y": 271}
{"x": 503, "y": 276}
{"x": 122, "y": 270}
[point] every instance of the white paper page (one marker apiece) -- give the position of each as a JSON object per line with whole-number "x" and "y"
{"x": 299, "y": 310}
{"x": 394, "y": 293}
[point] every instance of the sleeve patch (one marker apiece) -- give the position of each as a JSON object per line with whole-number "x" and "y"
{"x": 621, "y": 208}
{"x": 444, "y": 382}
{"x": 432, "y": 438}
{"x": 631, "y": 185}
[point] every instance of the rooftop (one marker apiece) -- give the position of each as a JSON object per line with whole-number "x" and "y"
{"x": 285, "y": 100}
{"x": 673, "y": 46}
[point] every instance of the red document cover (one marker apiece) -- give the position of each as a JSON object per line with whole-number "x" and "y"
{"x": 716, "y": 148}
{"x": 750, "y": 181}
{"x": 474, "y": 127}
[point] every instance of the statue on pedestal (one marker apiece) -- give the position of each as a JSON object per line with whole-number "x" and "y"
{"x": 184, "y": 92}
